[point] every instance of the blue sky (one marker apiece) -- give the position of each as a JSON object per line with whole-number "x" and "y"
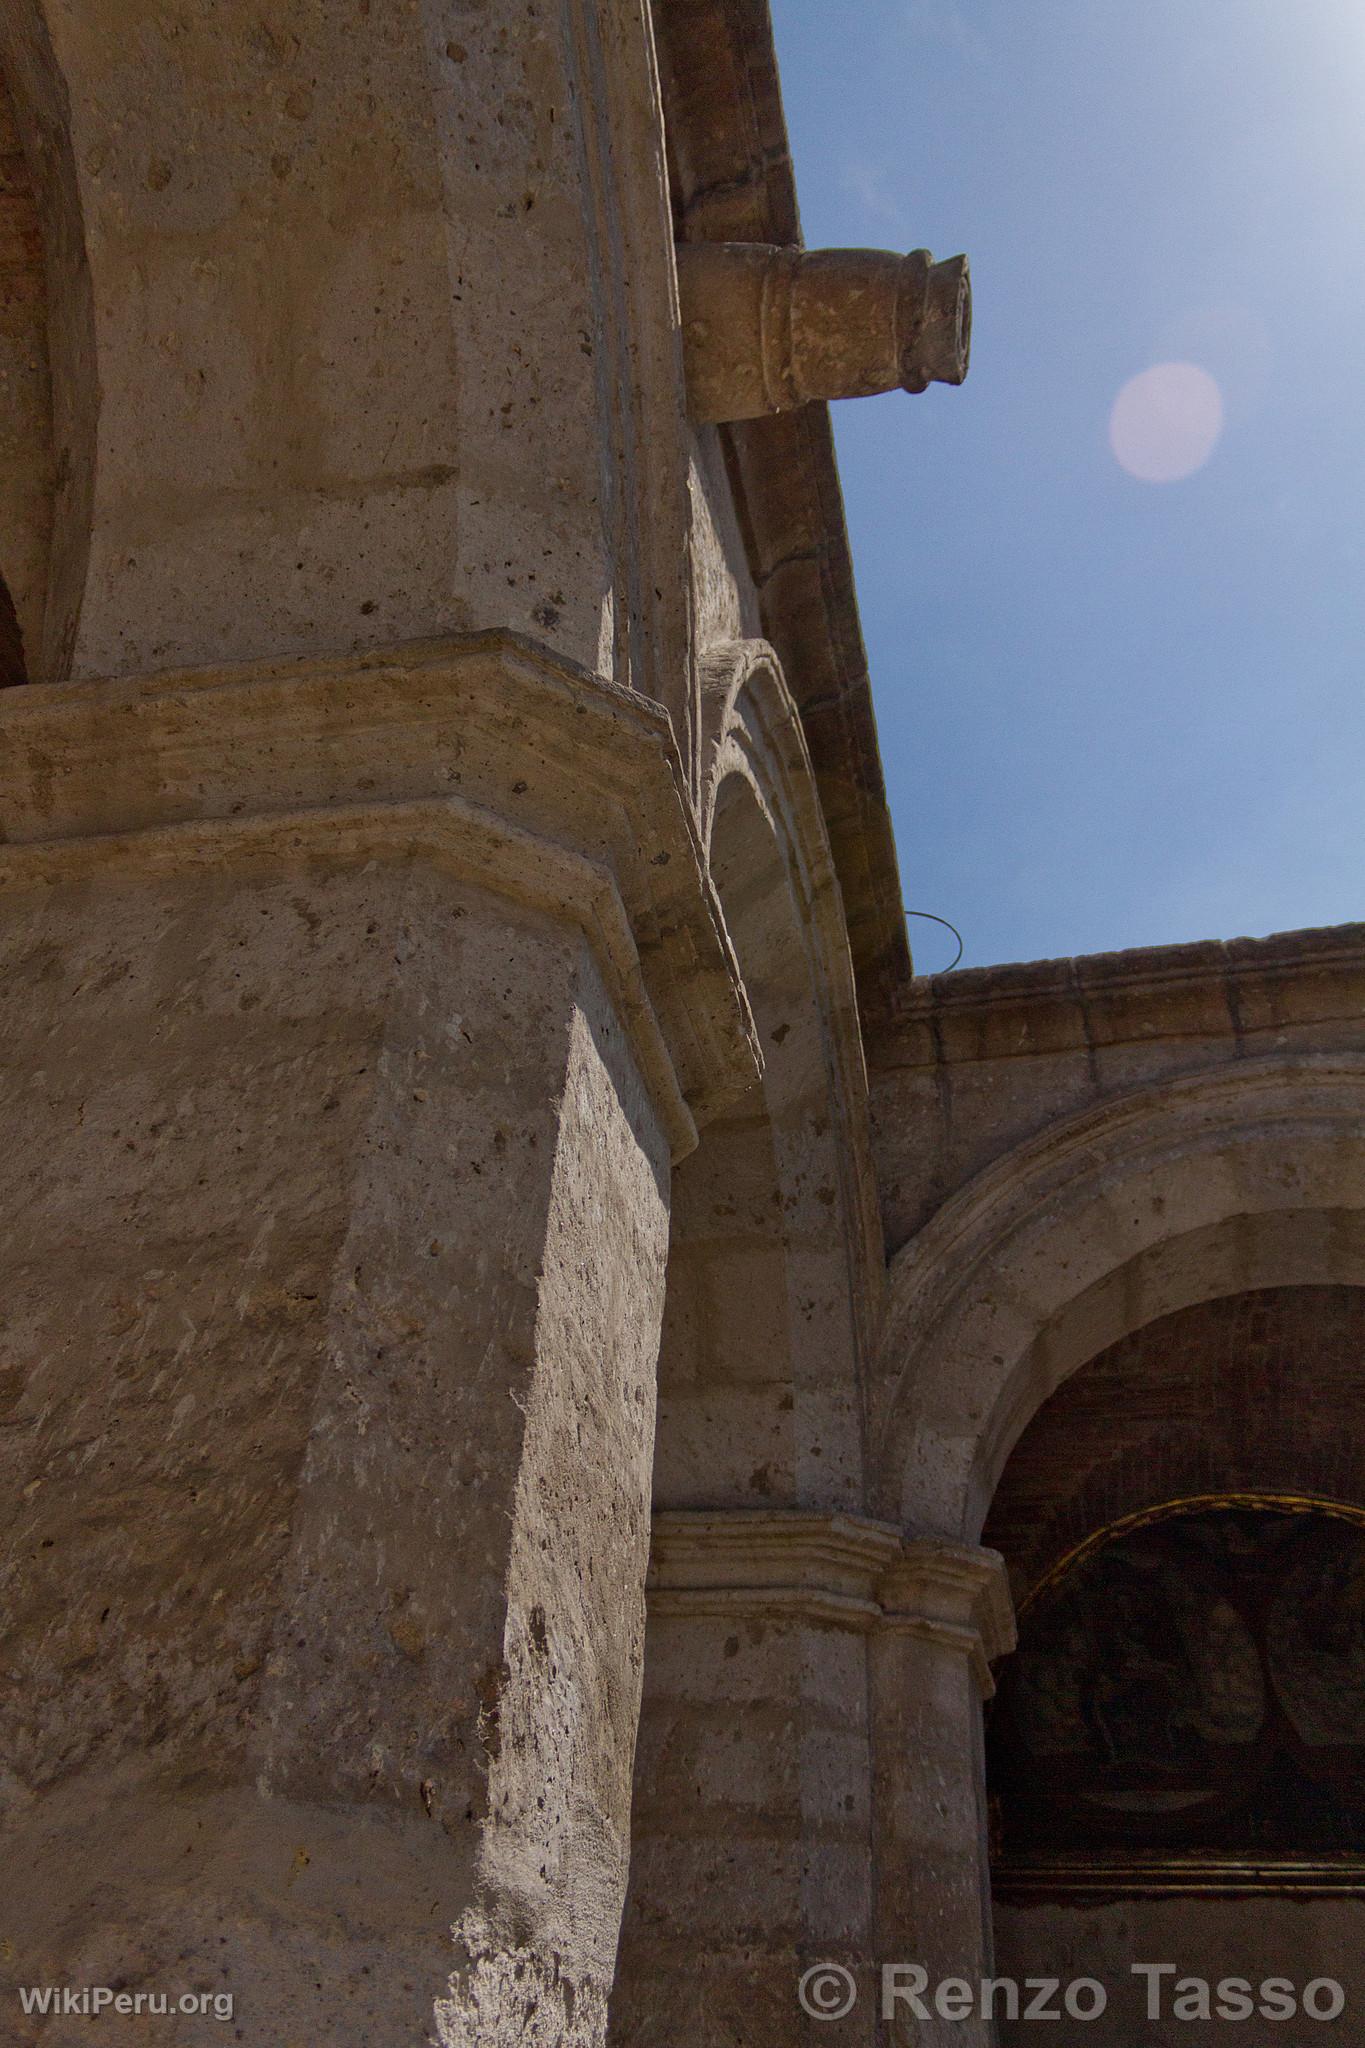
{"x": 1112, "y": 712}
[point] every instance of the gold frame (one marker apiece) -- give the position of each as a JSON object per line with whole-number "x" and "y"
{"x": 1100, "y": 1878}
{"x": 1193, "y": 1503}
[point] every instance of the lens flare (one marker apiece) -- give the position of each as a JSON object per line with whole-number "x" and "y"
{"x": 1165, "y": 422}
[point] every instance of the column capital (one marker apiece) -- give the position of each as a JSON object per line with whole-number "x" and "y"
{"x": 839, "y": 1570}
{"x": 770, "y": 1565}
{"x": 563, "y": 791}
{"x": 956, "y": 1594}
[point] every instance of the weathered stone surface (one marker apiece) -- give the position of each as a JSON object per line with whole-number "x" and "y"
{"x": 332, "y": 1446}
{"x": 982, "y": 1060}
{"x": 768, "y": 329}
{"x": 445, "y": 891}
{"x": 1092, "y": 1164}
{"x": 352, "y": 1110}
{"x": 732, "y": 180}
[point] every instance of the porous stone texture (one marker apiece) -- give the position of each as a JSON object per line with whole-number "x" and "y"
{"x": 364, "y": 292}
{"x": 449, "y": 801}
{"x": 945, "y": 1617}
{"x": 751, "y": 1828}
{"x": 766, "y": 329}
{"x": 329, "y": 1449}
{"x": 1124, "y": 1198}
{"x": 725, "y": 599}
{"x": 344, "y": 1106}
{"x": 979, "y": 1062}
{"x": 804, "y": 1797}
{"x": 759, "y": 1371}
{"x": 732, "y": 180}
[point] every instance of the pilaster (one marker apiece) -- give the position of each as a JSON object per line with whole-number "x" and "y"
{"x": 778, "y": 1824}
{"x": 946, "y": 1614}
{"x": 353, "y": 1011}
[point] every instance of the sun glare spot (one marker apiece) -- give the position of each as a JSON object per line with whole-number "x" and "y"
{"x": 1165, "y": 422}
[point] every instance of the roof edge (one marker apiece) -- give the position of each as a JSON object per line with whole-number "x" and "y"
{"x": 1218, "y": 987}
{"x": 731, "y": 178}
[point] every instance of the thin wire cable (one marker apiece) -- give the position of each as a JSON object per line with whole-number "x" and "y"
{"x": 934, "y": 918}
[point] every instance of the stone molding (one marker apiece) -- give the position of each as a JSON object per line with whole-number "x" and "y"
{"x": 955, "y": 1594}
{"x": 833, "y": 1570}
{"x": 530, "y": 776}
{"x": 459, "y": 839}
{"x": 1216, "y": 988}
{"x": 1003, "y": 1261}
{"x": 769, "y": 1565}
{"x": 751, "y": 727}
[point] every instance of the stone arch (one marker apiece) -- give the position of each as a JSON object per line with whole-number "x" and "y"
{"x": 48, "y": 387}
{"x": 749, "y": 1827}
{"x": 774, "y": 1252}
{"x": 1259, "y": 1392}
{"x": 1244, "y": 1177}
{"x": 1214, "y": 1184}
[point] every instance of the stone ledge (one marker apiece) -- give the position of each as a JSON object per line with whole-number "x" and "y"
{"x": 837, "y": 1571}
{"x": 953, "y": 1594}
{"x": 782, "y": 1605}
{"x": 543, "y": 752}
{"x": 770, "y": 1565}
{"x": 458, "y": 838}
{"x": 1213, "y": 988}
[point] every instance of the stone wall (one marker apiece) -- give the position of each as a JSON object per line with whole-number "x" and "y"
{"x": 344, "y": 1097}
{"x": 1124, "y": 1198}
{"x": 980, "y": 1062}
{"x": 1253, "y": 1939}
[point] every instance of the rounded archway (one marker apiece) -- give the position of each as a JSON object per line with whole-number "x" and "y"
{"x": 1244, "y": 1177}
{"x": 1175, "y": 1751}
{"x": 1208, "y": 1189}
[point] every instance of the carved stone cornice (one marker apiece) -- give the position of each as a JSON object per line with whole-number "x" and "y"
{"x": 769, "y": 1566}
{"x": 1220, "y": 989}
{"x": 839, "y": 1571}
{"x": 954, "y": 1594}
{"x": 530, "y": 776}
